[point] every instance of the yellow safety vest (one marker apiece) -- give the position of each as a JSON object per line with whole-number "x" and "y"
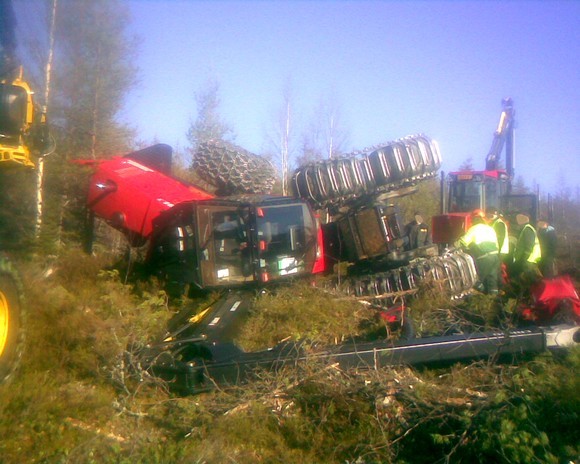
{"x": 499, "y": 224}
{"x": 536, "y": 253}
{"x": 481, "y": 237}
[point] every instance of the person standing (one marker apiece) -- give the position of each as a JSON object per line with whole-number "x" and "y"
{"x": 480, "y": 241}
{"x": 501, "y": 230}
{"x": 548, "y": 242}
{"x": 417, "y": 233}
{"x": 503, "y": 243}
{"x": 527, "y": 253}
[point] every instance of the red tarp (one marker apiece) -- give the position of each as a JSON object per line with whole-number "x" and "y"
{"x": 551, "y": 296}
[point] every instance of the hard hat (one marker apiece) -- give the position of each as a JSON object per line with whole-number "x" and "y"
{"x": 478, "y": 213}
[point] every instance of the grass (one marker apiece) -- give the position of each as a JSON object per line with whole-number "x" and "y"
{"x": 302, "y": 312}
{"x": 75, "y": 400}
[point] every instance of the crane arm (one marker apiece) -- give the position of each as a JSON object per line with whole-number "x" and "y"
{"x": 503, "y": 136}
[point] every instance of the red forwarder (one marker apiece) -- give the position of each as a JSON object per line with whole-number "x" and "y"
{"x": 197, "y": 239}
{"x": 464, "y": 191}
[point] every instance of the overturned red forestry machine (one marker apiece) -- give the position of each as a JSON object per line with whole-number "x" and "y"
{"x": 249, "y": 238}
{"x": 197, "y": 239}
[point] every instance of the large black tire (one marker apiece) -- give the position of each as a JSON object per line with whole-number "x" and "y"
{"x": 11, "y": 320}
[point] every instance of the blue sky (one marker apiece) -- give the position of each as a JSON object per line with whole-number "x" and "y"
{"x": 394, "y": 69}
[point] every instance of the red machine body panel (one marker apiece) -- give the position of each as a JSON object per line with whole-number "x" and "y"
{"x": 468, "y": 190}
{"x": 468, "y": 175}
{"x": 446, "y": 228}
{"x": 320, "y": 263}
{"x": 130, "y": 195}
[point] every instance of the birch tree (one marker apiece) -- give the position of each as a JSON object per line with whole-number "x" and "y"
{"x": 335, "y": 135}
{"x": 47, "y": 89}
{"x": 325, "y": 136}
{"x": 282, "y": 135}
{"x": 84, "y": 88}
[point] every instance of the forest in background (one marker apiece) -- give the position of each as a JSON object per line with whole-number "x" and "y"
{"x": 93, "y": 69}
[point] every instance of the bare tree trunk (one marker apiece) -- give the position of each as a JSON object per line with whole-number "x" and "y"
{"x": 331, "y": 135}
{"x": 96, "y": 105}
{"x": 285, "y": 150}
{"x": 48, "y": 75}
{"x": 39, "y": 197}
{"x": 281, "y": 136}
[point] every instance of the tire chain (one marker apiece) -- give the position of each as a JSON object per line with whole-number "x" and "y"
{"x": 454, "y": 271}
{"x": 233, "y": 170}
{"x": 374, "y": 170}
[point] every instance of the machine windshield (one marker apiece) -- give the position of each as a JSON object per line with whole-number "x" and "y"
{"x": 467, "y": 195}
{"x": 286, "y": 239}
{"x": 223, "y": 242}
{"x": 249, "y": 243}
{"x": 12, "y": 111}
{"x": 493, "y": 192}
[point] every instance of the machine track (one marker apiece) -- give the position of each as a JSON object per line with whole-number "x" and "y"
{"x": 453, "y": 272}
{"x": 347, "y": 185}
{"x": 370, "y": 172}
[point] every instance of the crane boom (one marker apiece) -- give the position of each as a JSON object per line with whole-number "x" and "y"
{"x": 503, "y": 136}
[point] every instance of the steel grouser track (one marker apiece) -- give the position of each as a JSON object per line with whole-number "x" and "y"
{"x": 454, "y": 272}
{"x": 367, "y": 172}
{"x": 232, "y": 169}
{"x": 351, "y": 183}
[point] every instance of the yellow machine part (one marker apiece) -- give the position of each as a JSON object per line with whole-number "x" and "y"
{"x": 16, "y": 119}
{"x": 11, "y": 313}
{"x": 4, "y": 321}
{"x": 18, "y": 155}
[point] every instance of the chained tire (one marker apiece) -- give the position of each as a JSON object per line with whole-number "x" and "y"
{"x": 11, "y": 320}
{"x": 233, "y": 170}
{"x": 375, "y": 170}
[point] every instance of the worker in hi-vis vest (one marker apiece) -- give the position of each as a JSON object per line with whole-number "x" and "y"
{"x": 498, "y": 223}
{"x": 527, "y": 253}
{"x": 480, "y": 241}
{"x": 548, "y": 245}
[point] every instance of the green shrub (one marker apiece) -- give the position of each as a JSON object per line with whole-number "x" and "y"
{"x": 302, "y": 312}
